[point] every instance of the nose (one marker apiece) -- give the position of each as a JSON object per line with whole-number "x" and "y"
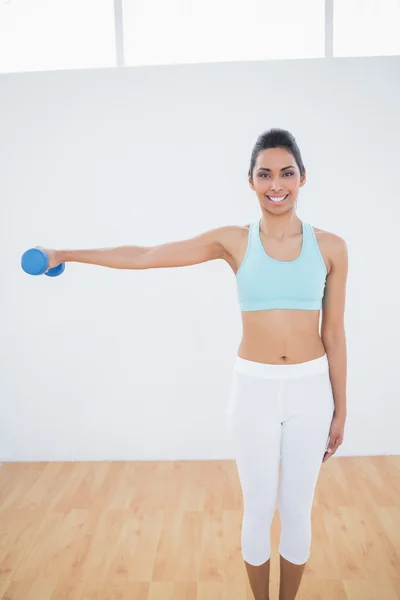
{"x": 276, "y": 186}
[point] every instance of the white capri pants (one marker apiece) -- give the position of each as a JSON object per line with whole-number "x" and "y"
{"x": 279, "y": 413}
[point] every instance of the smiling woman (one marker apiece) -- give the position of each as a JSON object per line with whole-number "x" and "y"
{"x": 289, "y": 389}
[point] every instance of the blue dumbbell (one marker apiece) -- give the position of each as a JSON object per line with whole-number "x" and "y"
{"x": 36, "y": 262}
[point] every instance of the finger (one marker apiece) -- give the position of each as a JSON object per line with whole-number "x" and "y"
{"x": 328, "y": 454}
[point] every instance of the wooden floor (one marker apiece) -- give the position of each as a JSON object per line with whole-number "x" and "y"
{"x": 171, "y": 531}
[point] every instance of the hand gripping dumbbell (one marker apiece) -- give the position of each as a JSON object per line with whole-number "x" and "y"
{"x": 36, "y": 262}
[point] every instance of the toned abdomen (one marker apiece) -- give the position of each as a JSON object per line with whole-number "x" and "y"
{"x": 281, "y": 336}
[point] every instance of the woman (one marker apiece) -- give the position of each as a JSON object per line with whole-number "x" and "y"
{"x": 289, "y": 387}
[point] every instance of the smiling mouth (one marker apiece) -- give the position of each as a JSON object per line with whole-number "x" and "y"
{"x": 277, "y": 199}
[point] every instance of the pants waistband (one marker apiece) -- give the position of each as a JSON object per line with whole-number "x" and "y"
{"x": 310, "y": 367}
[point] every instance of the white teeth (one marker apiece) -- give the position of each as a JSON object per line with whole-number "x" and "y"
{"x": 277, "y": 199}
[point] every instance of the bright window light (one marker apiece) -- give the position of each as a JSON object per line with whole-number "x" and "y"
{"x": 366, "y": 27}
{"x": 193, "y": 31}
{"x": 42, "y": 35}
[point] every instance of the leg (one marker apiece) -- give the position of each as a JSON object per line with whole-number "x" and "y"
{"x": 308, "y": 406}
{"x": 259, "y": 580}
{"x": 254, "y": 419}
{"x": 290, "y": 578}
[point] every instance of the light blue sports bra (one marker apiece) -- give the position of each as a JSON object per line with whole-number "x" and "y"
{"x": 264, "y": 283}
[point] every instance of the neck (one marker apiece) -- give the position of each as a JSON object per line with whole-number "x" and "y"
{"x": 280, "y": 226}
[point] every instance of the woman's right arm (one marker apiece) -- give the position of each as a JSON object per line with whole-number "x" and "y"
{"x": 211, "y": 245}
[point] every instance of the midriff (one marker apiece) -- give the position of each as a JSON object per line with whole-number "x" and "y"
{"x": 281, "y": 336}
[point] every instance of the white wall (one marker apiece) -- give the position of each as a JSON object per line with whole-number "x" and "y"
{"x": 101, "y": 364}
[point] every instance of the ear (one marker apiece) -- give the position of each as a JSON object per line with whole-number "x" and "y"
{"x": 251, "y": 184}
{"x": 303, "y": 179}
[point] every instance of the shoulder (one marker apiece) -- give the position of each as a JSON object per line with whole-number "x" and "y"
{"x": 233, "y": 239}
{"x": 333, "y": 245}
{"x": 329, "y": 238}
{"x": 230, "y": 236}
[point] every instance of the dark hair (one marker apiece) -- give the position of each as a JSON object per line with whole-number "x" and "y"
{"x": 276, "y": 138}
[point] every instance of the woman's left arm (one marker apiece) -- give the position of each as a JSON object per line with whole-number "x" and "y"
{"x": 332, "y": 326}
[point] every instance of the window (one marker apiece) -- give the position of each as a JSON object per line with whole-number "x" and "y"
{"x": 41, "y": 35}
{"x": 190, "y": 31}
{"x": 366, "y": 27}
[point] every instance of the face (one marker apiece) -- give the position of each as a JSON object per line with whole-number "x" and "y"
{"x": 272, "y": 179}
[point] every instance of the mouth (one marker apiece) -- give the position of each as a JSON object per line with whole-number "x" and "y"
{"x": 277, "y": 199}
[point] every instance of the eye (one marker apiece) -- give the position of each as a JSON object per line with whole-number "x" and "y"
{"x": 287, "y": 173}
